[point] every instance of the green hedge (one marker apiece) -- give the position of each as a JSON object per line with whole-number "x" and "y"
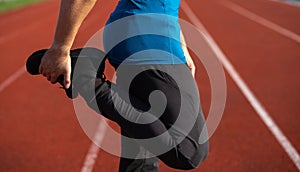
{"x": 6, "y": 5}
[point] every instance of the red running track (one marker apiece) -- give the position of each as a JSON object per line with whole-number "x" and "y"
{"x": 39, "y": 128}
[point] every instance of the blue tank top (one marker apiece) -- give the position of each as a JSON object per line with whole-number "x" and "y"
{"x": 144, "y": 32}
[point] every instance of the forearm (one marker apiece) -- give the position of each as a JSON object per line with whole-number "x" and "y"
{"x": 71, "y": 15}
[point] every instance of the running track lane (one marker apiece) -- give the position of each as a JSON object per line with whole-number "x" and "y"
{"x": 241, "y": 143}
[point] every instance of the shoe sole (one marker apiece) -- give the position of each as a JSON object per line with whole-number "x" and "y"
{"x": 34, "y": 60}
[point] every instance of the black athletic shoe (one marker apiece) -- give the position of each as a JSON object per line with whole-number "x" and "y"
{"x": 90, "y": 59}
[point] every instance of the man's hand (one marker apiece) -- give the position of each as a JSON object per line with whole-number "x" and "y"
{"x": 55, "y": 63}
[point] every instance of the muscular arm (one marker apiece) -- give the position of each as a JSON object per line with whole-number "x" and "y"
{"x": 187, "y": 55}
{"x": 56, "y": 60}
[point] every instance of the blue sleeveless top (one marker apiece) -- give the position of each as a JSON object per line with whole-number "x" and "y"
{"x": 144, "y": 32}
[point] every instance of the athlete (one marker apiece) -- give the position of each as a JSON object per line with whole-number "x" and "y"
{"x": 152, "y": 57}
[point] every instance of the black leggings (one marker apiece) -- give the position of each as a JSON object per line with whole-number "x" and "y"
{"x": 175, "y": 117}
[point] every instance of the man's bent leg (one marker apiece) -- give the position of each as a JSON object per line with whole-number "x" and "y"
{"x": 182, "y": 154}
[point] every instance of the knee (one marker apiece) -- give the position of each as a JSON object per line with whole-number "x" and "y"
{"x": 193, "y": 162}
{"x": 184, "y": 163}
{"x": 188, "y": 158}
{"x": 193, "y": 153}
{"x": 200, "y": 155}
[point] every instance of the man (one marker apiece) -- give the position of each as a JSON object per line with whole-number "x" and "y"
{"x": 176, "y": 143}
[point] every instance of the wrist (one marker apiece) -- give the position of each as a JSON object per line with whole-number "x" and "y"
{"x": 59, "y": 52}
{"x": 61, "y": 48}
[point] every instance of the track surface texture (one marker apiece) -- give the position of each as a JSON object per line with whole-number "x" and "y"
{"x": 39, "y": 130}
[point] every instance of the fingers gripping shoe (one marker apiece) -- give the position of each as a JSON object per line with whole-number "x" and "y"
{"x": 92, "y": 62}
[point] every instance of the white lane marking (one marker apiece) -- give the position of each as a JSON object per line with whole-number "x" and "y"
{"x": 12, "y": 78}
{"x": 92, "y": 154}
{"x": 260, "y": 20}
{"x": 258, "y": 107}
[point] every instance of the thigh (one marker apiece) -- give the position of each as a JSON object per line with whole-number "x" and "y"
{"x": 142, "y": 81}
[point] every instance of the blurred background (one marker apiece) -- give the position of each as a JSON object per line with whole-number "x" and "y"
{"x": 257, "y": 42}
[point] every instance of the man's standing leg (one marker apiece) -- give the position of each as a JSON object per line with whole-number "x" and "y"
{"x": 136, "y": 165}
{"x": 130, "y": 147}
